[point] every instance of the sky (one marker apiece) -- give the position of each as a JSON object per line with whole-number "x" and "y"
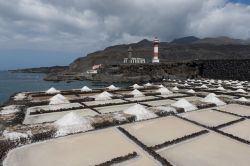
{"x": 36, "y": 33}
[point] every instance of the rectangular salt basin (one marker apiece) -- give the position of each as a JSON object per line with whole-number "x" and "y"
{"x": 238, "y": 109}
{"x": 44, "y": 98}
{"x": 172, "y": 95}
{"x": 53, "y": 107}
{"x": 90, "y": 148}
{"x": 207, "y": 150}
{"x": 101, "y": 102}
{"x": 192, "y": 98}
{"x": 114, "y": 108}
{"x": 160, "y": 130}
{"x": 240, "y": 129}
{"x": 51, "y": 117}
{"x": 141, "y": 98}
{"x": 209, "y": 117}
{"x": 82, "y": 95}
{"x": 159, "y": 102}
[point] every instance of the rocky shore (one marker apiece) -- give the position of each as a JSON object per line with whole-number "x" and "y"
{"x": 216, "y": 69}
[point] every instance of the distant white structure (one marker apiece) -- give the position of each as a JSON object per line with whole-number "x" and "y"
{"x": 156, "y": 51}
{"x": 94, "y": 69}
{"x": 132, "y": 60}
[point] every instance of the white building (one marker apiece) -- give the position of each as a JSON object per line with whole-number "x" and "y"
{"x": 134, "y": 60}
{"x": 131, "y": 60}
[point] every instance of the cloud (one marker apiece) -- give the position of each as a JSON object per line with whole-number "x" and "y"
{"x": 73, "y": 25}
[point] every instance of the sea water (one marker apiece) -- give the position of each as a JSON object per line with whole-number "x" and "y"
{"x": 11, "y": 83}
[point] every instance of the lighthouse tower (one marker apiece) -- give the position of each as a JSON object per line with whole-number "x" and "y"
{"x": 156, "y": 51}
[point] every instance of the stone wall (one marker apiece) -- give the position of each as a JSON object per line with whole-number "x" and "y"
{"x": 225, "y": 69}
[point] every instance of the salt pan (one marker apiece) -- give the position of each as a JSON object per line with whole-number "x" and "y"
{"x": 86, "y": 89}
{"x": 9, "y": 110}
{"x": 240, "y": 91}
{"x": 112, "y": 87}
{"x": 211, "y": 98}
{"x": 161, "y": 86}
{"x": 148, "y": 84}
{"x": 191, "y": 91}
{"x": 164, "y": 91}
{"x": 175, "y": 89}
{"x": 242, "y": 99}
{"x": 136, "y": 86}
{"x": 183, "y": 103}
{"x": 166, "y": 109}
{"x": 52, "y": 90}
{"x": 20, "y": 96}
{"x": 103, "y": 96}
{"x": 58, "y": 99}
{"x": 14, "y": 135}
{"x": 137, "y": 93}
{"x": 72, "y": 123}
{"x": 220, "y": 88}
{"x": 140, "y": 112}
{"x": 204, "y": 86}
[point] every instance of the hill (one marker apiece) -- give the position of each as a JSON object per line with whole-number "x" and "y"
{"x": 179, "y": 50}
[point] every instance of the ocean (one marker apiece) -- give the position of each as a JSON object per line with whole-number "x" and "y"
{"x": 11, "y": 83}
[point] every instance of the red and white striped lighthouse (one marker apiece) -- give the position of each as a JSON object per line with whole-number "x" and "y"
{"x": 156, "y": 51}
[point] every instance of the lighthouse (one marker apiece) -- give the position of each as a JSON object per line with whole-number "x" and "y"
{"x": 156, "y": 51}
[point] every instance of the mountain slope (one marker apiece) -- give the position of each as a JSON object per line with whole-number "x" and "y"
{"x": 191, "y": 48}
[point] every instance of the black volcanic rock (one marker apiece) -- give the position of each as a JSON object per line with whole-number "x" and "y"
{"x": 203, "y": 49}
{"x": 183, "y": 50}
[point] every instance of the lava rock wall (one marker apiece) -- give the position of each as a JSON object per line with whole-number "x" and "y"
{"x": 225, "y": 69}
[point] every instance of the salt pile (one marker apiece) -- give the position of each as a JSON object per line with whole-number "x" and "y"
{"x": 161, "y": 86}
{"x": 166, "y": 109}
{"x": 103, "y": 96}
{"x": 52, "y": 90}
{"x": 86, "y": 89}
{"x": 11, "y": 109}
{"x": 212, "y": 81}
{"x": 164, "y": 91}
{"x": 204, "y": 86}
{"x": 72, "y": 123}
{"x": 191, "y": 91}
{"x": 136, "y": 93}
{"x": 58, "y": 99}
{"x": 14, "y": 135}
{"x": 240, "y": 91}
{"x": 20, "y": 96}
{"x": 112, "y": 87}
{"x": 242, "y": 99}
{"x": 148, "y": 84}
{"x": 119, "y": 116}
{"x": 175, "y": 89}
{"x": 239, "y": 87}
{"x": 140, "y": 112}
{"x": 136, "y": 86}
{"x": 220, "y": 88}
{"x": 183, "y": 103}
{"x": 186, "y": 84}
{"x": 211, "y": 98}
